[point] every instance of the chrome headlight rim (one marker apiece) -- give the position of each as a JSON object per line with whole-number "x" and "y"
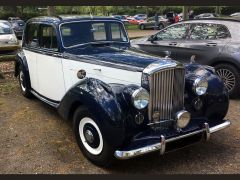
{"x": 196, "y": 85}
{"x": 136, "y": 94}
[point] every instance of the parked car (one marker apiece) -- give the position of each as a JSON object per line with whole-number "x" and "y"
{"x": 237, "y": 14}
{"x": 135, "y": 21}
{"x": 122, "y": 18}
{"x": 123, "y": 103}
{"x": 215, "y": 42}
{"x": 140, "y": 16}
{"x": 8, "y": 41}
{"x": 13, "y": 19}
{"x": 18, "y": 27}
{"x": 206, "y": 15}
{"x": 150, "y": 23}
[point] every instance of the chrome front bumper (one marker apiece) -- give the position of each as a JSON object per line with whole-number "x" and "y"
{"x": 161, "y": 146}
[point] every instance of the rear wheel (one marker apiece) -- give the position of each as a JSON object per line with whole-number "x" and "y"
{"x": 90, "y": 139}
{"x": 160, "y": 26}
{"x": 142, "y": 26}
{"x": 230, "y": 77}
{"x": 24, "y": 84}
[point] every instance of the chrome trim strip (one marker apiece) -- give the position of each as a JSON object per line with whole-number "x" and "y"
{"x": 161, "y": 65}
{"x": 162, "y": 145}
{"x": 55, "y": 105}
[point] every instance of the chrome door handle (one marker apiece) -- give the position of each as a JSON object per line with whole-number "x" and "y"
{"x": 173, "y": 43}
{"x": 97, "y": 69}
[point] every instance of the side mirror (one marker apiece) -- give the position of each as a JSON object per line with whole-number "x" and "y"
{"x": 152, "y": 38}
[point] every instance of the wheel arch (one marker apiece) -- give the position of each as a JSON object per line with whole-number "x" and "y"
{"x": 101, "y": 104}
{"x": 222, "y": 60}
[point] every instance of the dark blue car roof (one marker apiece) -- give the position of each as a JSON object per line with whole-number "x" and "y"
{"x": 69, "y": 18}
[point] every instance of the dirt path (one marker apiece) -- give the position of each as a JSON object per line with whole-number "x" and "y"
{"x": 34, "y": 139}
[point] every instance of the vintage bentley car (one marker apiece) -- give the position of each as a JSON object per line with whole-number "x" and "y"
{"x": 123, "y": 103}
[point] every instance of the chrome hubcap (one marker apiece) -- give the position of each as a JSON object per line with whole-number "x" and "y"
{"x": 89, "y": 136}
{"x": 228, "y": 78}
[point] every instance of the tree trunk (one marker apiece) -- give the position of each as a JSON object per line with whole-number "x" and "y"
{"x": 218, "y": 10}
{"x": 51, "y": 11}
{"x": 185, "y": 12}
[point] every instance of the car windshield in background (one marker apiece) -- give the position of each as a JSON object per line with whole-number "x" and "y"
{"x": 5, "y": 28}
{"x": 87, "y": 32}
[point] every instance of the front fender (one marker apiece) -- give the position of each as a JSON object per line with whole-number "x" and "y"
{"x": 107, "y": 107}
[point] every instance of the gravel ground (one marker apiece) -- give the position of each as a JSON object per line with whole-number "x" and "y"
{"x": 34, "y": 139}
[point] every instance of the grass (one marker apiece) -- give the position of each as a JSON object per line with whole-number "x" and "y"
{"x": 8, "y": 87}
{"x": 131, "y": 27}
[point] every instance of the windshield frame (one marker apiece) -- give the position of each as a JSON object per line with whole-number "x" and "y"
{"x": 94, "y": 21}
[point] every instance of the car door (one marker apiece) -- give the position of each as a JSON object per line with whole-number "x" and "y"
{"x": 205, "y": 41}
{"x": 29, "y": 48}
{"x": 166, "y": 40}
{"x": 49, "y": 65}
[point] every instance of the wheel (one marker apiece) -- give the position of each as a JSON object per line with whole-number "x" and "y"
{"x": 231, "y": 78}
{"x": 142, "y": 26}
{"x": 160, "y": 26}
{"x": 90, "y": 139}
{"x": 24, "y": 85}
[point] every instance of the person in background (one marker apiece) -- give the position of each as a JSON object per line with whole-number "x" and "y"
{"x": 176, "y": 18}
{"x": 191, "y": 16}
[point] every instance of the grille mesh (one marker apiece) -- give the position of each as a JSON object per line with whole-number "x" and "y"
{"x": 166, "y": 94}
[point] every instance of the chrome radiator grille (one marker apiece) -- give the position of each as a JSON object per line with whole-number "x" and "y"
{"x": 166, "y": 94}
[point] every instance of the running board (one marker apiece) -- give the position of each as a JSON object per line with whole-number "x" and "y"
{"x": 53, "y": 104}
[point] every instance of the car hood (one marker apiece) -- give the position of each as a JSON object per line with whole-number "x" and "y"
{"x": 128, "y": 57}
{"x": 5, "y": 38}
{"x": 139, "y": 40}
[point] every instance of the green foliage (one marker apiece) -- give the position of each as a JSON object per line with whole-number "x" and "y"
{"x": 26, "y": 12}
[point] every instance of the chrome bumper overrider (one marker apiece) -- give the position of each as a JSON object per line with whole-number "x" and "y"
{"x": 162, "y": 144}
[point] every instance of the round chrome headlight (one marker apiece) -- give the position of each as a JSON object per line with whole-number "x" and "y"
{"x": 140, "y": 98}
{"x": 183, "y": 118}
{"x": 200, "y": 86}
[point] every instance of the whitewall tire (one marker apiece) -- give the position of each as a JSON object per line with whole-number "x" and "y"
{"x": 90, "y": 138}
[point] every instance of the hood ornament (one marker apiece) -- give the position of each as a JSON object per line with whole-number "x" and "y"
{"x": 192, "y": 59}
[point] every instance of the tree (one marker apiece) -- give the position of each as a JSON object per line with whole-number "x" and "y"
{"x": 51, "y": 11}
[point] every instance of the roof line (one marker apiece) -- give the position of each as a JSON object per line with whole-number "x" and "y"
{"x": 220, "y": 19}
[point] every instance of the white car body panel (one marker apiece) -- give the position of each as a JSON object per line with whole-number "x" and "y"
{"x": 103, "y": 73}
{"x": 31, "y": 58}
{"x": 50, "y": 77}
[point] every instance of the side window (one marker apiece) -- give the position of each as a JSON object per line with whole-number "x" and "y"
{"x": 99, "y": 31}
{"x": 31, "y": 39}
{"x": 174, "y": 32}
{"x": 117, "y": 32}
{"x": 48, "y": 37}
{"x": 209, "y": 31}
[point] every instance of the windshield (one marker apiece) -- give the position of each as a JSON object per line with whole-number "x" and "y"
{"x": 5, "y": 28}
{"x": 77, "y": 33}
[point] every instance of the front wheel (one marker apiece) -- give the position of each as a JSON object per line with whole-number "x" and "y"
{"x": 231, "y": 78}
{"x": 90, "y": 139}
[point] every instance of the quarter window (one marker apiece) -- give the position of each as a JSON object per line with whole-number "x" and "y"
{"x": 209, "y": 31}
{"x": 117, "y": 32}
{"x": 174, "y": 32}
{"x": 48, "y": 37}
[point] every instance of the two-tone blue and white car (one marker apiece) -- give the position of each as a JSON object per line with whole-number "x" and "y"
{"x": 123, "y": 103}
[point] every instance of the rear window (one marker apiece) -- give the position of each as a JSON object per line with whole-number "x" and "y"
{"x": 209, "y": 31}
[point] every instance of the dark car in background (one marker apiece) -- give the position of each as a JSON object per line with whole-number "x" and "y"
{"x": 150, "y": 23}
{"x": 214, "y": 42}
{"x": 18, "y": 27}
